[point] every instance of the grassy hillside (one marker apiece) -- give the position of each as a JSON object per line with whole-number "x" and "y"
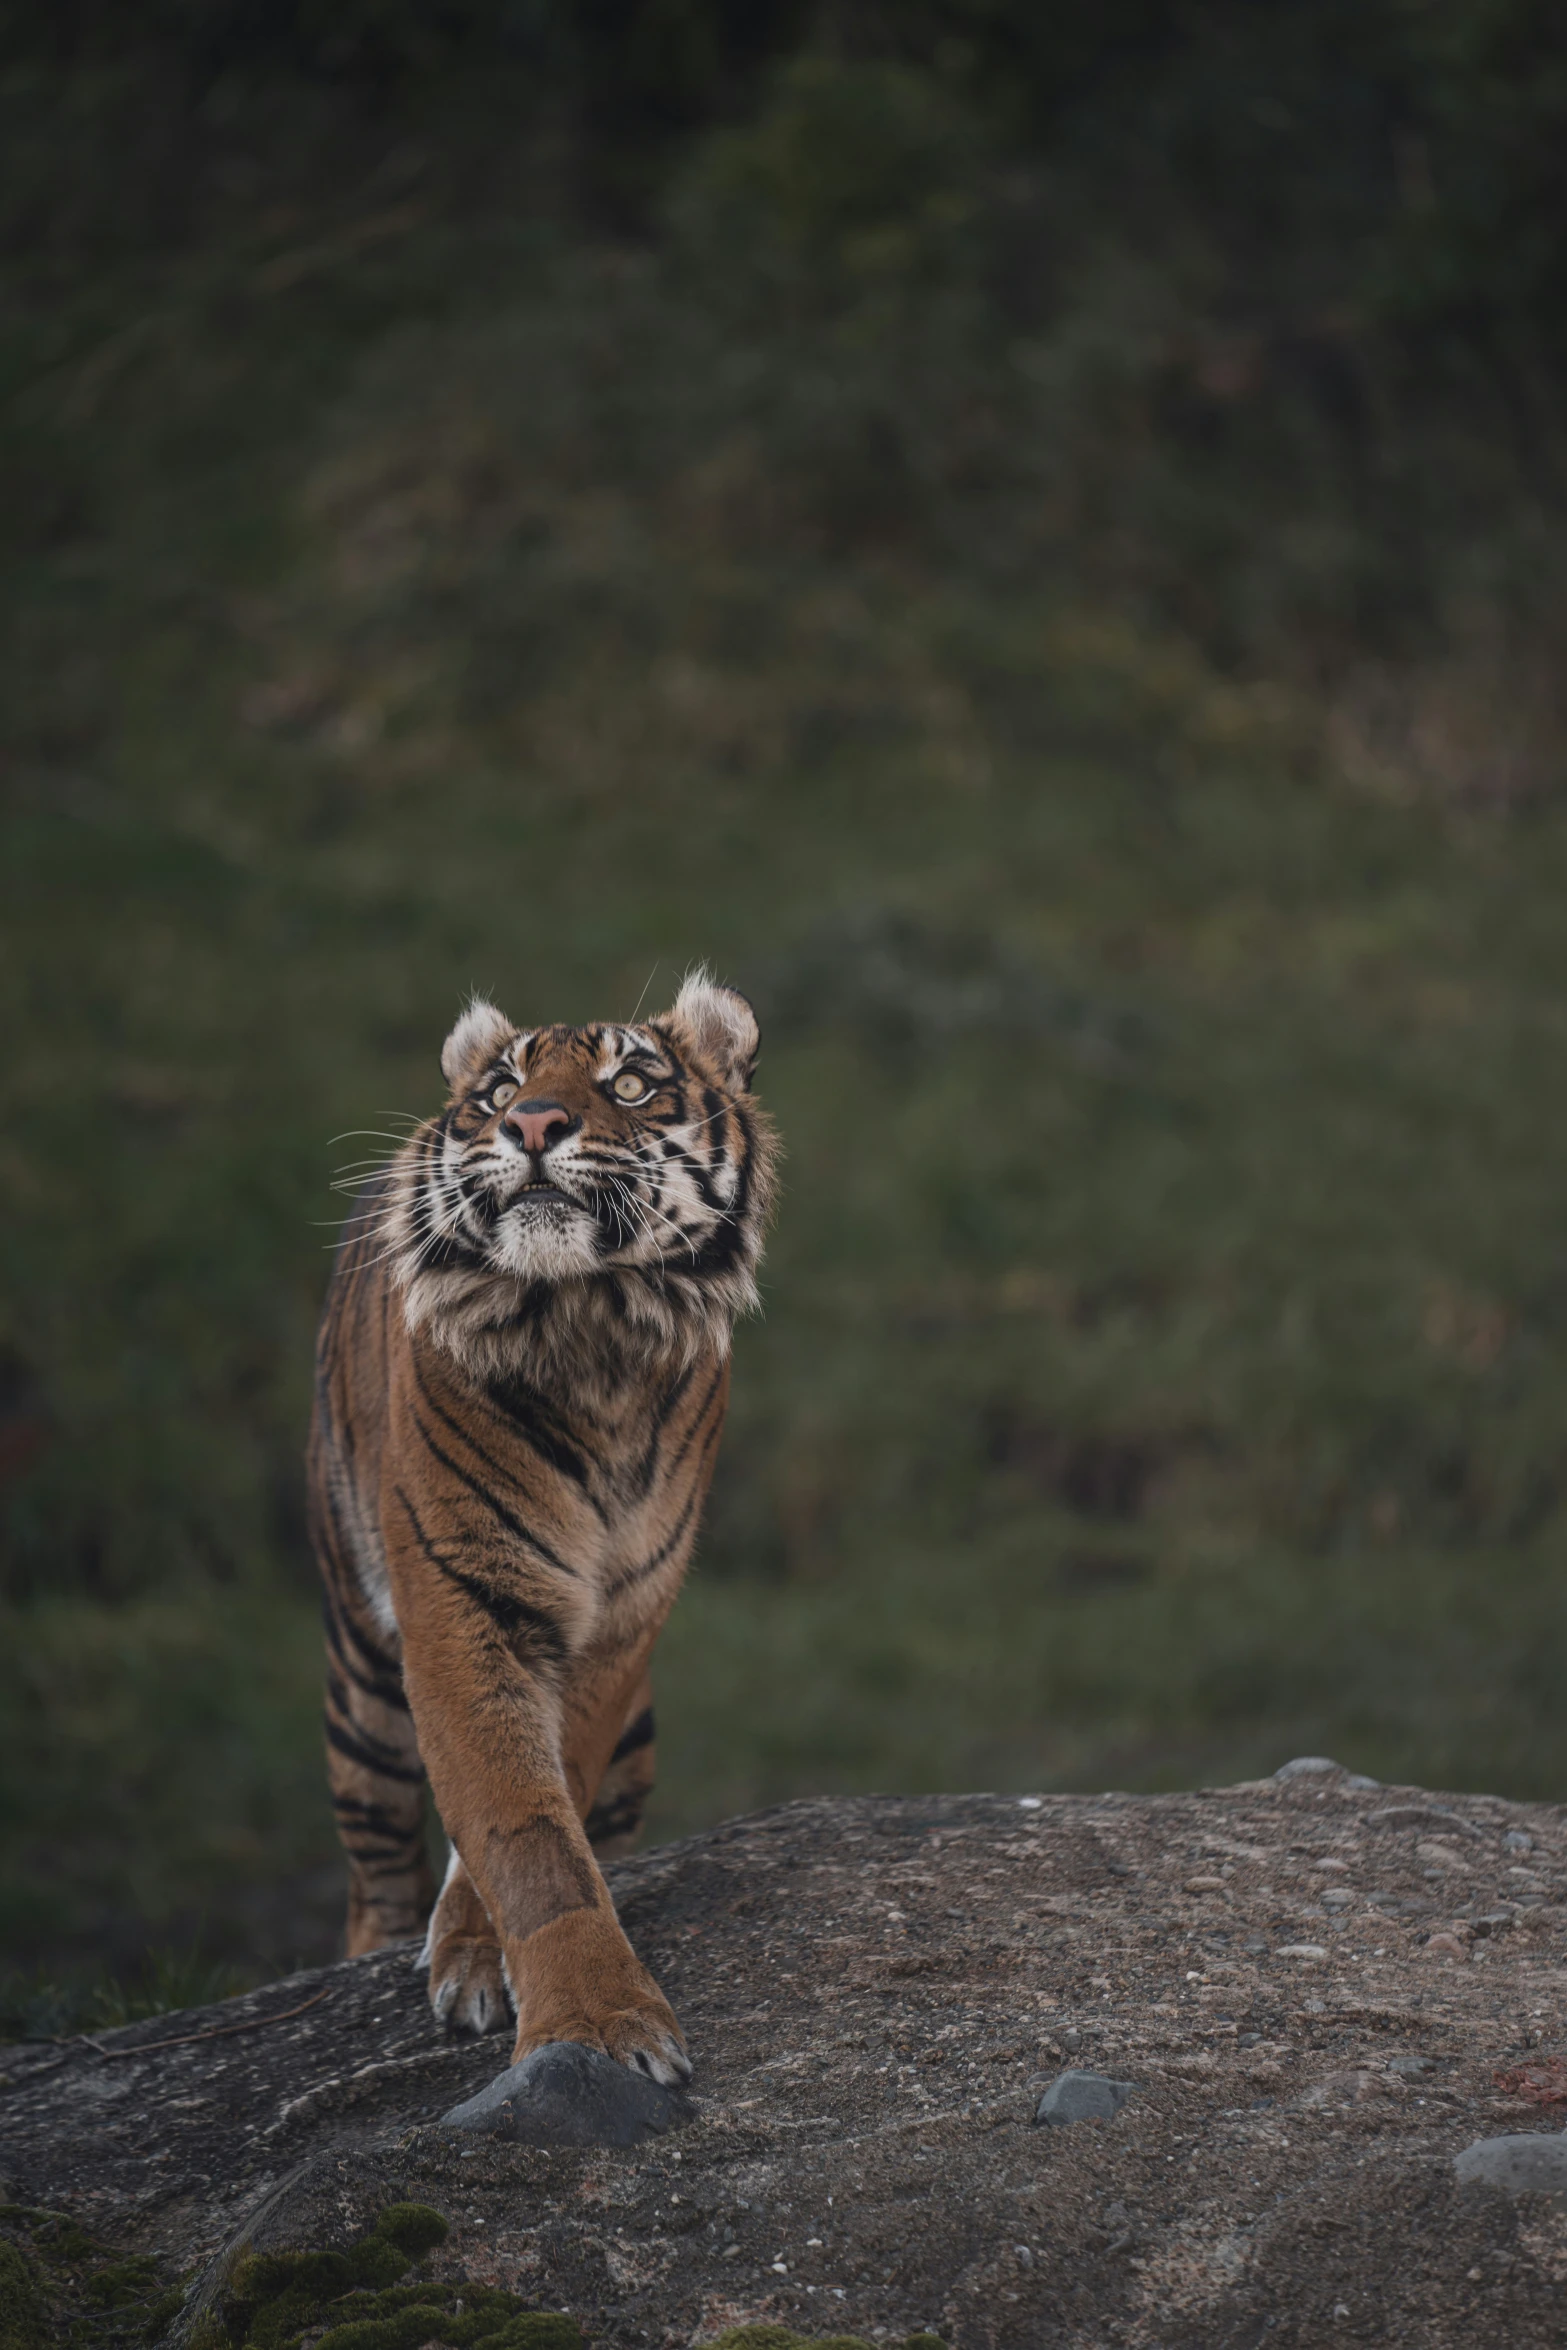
{"x": 1134, "y": 808}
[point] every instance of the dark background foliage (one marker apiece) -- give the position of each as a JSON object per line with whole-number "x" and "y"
{"x": 1033, "y": 537}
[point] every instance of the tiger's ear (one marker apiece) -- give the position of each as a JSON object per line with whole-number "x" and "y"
{"x": 717, "y": 1027}
{"x": 474, "y": 1043}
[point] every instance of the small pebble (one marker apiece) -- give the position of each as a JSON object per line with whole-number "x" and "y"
{"x": 1525, "y": 2163}
{"x": 1313, "y": 1766}
{"x": 1422, "y": 1815}
{"x": 1082, "y": 2097}
{"x": 1302, "y": 1950}
{"x": 1445, "y": 1946}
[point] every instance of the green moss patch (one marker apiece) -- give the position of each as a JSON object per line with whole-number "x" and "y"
{"x": 60, "y": 2290}
{"x": 24, "y": 2301}
{"x": 276, "y": 2299}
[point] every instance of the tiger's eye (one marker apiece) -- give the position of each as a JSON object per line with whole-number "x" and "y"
{"x": 502, "y": 1095}
{"x": 629, "y": 1087}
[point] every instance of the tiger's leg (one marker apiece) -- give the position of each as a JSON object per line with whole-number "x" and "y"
{"x": 615, "y": 1816}
{"x": 377, "y": 1784}
{"x": 461, "y": 1951}
{"x": 513, "y": 1801}
{"x": 467, "y": 1982}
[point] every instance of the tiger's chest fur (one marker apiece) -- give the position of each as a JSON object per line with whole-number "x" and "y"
{"x": 576, "y": 1517}
{"x": 580, "y": 1497}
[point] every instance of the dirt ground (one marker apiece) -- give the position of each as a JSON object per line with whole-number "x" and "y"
{"x": 1322, "y": 1990}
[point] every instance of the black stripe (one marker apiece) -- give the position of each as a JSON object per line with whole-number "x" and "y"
{"x": 378, "y": 1866}
{"x": 718, "y": 1252}
{"x": 578, "y": 1471}
{"x": 383, "y": 1844}
{"x": 641, "y": 1476}
{"x": 525, "y": 1410}
{"x": 636, "y": 1735}
{"x": 442, "y": 1251}
{"x": 700, "y": 1175}
{"x": 338, "y": 1737}
{"x": 382, "y": 1666}
{"x": 376, "y": 1818}
{"x": 697, "y": 1418}
{"x": 497, "y": 1509}
{"x": 509, "y": 1613}
{"x": 386, "y": 1689}
{"x": 650, "y": 1565}
{"x": 613, "y": 1819}
{"x": 392, "y": 1747}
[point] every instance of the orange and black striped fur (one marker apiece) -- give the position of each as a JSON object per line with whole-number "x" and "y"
{"x": 521, "y": 1378}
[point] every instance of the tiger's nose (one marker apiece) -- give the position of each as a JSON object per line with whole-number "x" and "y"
{"x": 535, "y": 1122}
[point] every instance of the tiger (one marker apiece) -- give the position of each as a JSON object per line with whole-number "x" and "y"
{"x": 522, "y": 1374}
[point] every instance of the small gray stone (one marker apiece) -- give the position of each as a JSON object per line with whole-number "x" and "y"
{"x": 1516, "y": 1841}
{"x": 568, "y": 2095}
{"x": 1422, "y": 1815}
{"x": 1082, "y": 2097}
{"x": 1307, "y": 1766}
{"x": 1411, "y": 2064}
{"x": 1526, "y": 2163}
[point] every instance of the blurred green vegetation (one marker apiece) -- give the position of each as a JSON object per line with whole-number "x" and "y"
{"x": 1037, "y": 549}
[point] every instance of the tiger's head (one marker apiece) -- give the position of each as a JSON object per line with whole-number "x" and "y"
{"x": 623, "y": 1166}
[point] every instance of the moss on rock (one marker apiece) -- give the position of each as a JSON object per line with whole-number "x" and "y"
{"x": 26, "y": 2321}
{"x": 59, "y": 2290}
{"x": 275, "y": 2299}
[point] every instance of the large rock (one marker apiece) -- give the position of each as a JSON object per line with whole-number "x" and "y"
{"x": 878, "y": 1995}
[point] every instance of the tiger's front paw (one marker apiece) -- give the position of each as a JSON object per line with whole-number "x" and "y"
{"x": 468, "y": 1984}
{"x": 579, "y": 1979}
{"x": 467, "y": 1977}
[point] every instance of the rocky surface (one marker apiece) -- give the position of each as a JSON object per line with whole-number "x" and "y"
{"x": 1319, "y": 1992}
